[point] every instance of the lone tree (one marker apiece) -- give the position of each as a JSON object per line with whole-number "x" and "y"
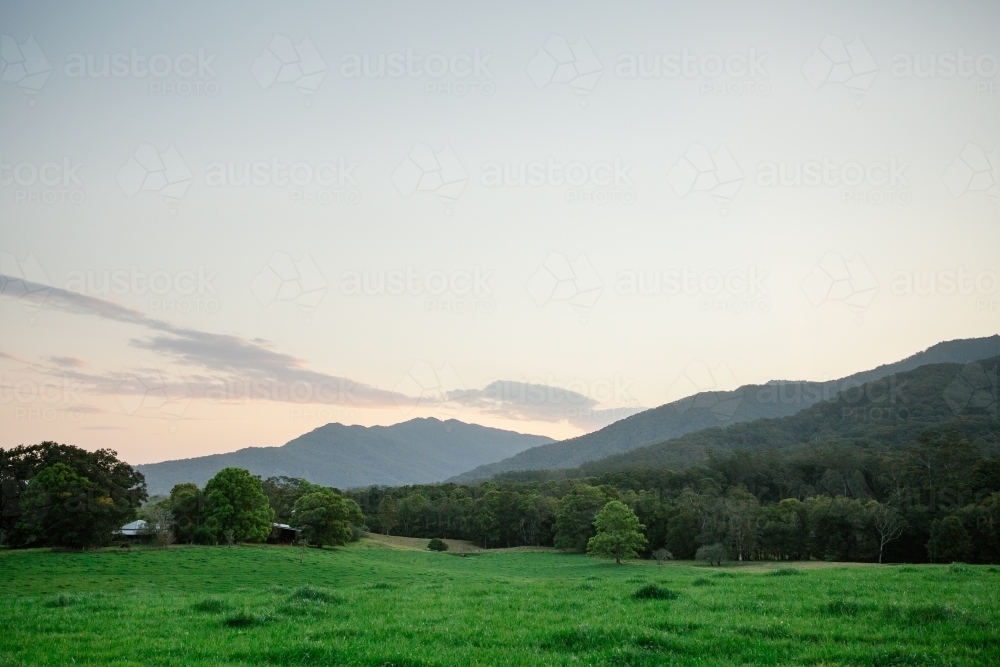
{"x": 326, "y": 517}
{"x": 388, "y": 515}
{"x": 236, "y": 503}
{"x": 888, "y": 524}
{"x": 711, "y": 553}
{"x": 619, "y": 533}
{"x": 661, "y": 555}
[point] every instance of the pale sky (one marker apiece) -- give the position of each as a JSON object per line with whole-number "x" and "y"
{"x": 223, "y": 226}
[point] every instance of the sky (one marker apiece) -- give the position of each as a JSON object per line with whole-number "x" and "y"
{"x": 223, "y": 225}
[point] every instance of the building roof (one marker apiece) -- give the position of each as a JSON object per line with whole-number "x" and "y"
{"x": 135, "y": 528}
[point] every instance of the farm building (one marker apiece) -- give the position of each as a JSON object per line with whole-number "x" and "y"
{"x": 282, "y": 533}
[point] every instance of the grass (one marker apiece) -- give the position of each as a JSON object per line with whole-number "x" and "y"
{"x": 375, "y": 604}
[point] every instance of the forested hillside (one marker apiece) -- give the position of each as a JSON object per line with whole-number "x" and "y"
{"x": 719, "y": 408}
{"x": 890, "y": 413}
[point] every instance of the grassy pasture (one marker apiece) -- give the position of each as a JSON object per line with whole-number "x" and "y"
{"x": 375, "y": 603}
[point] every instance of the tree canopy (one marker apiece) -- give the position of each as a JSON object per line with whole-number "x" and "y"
{"x": 619, "y": 533}
{"x": 235, "y": 501}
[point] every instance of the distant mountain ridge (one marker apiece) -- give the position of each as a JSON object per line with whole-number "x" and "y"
{"x": 712, "y": 409}
{"x": 412, "y": 452}
{"x": 883, "y": 413}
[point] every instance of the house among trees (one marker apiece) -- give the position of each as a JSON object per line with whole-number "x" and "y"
{"x": 282, "y": 533}
{"x": 136, "y": 531}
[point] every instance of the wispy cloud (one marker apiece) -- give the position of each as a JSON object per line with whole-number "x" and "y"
{"x": 527, "y": 401}
{"x": 225, "y": 366}
{"x": 231, "y": 368}
{"x": 68, "y": 362}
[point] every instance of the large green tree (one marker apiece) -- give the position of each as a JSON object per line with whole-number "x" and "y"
{"x": 187, "y": 504}
{"x": 282, "y": 492}
{"x": 619, "y": 533}
{"x": 235, "y": 501}
{"x": 388, "y": 515}
{"x": 62, "y": 509}
{"x": 575, "y": 516}
{"x": 326, "y": 517}
{"x": 111, "y": 477}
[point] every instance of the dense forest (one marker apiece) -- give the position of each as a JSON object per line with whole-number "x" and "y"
{"x": 934, "y": 500}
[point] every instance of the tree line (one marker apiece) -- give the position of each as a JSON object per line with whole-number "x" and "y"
{"x": 936, "y": 500}
{"x": 66, "y": 497}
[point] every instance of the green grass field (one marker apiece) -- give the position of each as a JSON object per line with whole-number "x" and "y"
{"x": 371, "y": 604}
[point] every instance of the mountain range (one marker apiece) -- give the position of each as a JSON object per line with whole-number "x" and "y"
{"x": 890, "y": 412}
{"x": 718, "y": 408}
{"x": 413, "y": 452}
{"x": 677, "y": 434}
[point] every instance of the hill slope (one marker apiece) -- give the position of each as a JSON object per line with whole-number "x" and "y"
{"x": 417, "y": 451}
{"x": 890, "y": 412}
{"x": 711, "y": 409}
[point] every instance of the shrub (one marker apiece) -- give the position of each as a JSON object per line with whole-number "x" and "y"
{"x": 204, "y": 536}
{"x": 437, "y": 544}
{"x": 661, "y": 555}
{"x": 713, "y": 554}
{"x": 654, "y": 592}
